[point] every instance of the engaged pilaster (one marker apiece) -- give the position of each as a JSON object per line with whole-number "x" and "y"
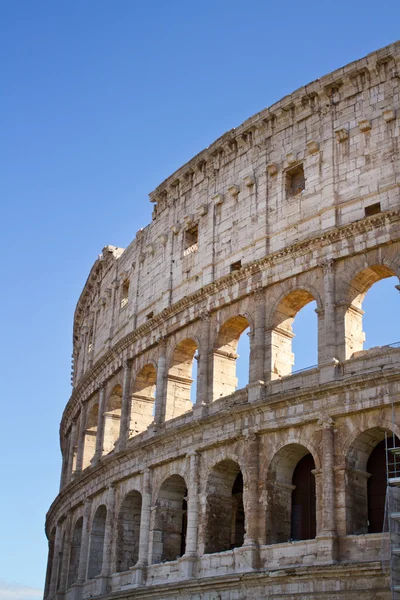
{"x": 161, "y": 383}
{"x": 126, "y": 406}
{"x": 139, "y": 570}
{"x": 100, "y": 426}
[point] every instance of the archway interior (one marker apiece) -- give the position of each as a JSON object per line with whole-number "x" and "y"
{"x": 90, "y": 435}
{"x": 97, "y": 542}
{"x": 112, "y": 419}
{"x": 282, "y": 356}
{"x": 128, "y": 531}
{"x": 180, "y": 379}
{"x": 291, "y": 506}
{"x": 366, "y": 481}
{"x": 143, "y": 400}
{"x": 75, "y": 552}
{"x": 373, "y": 291}
{"x": 305, "y": 341}
{"x": 170, "y": 520}
{"x": 225, "y": 519}
{"x": 226, "y": 356}
{"x": 303, "y": 519}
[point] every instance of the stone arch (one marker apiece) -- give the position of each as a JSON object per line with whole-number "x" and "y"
{"x": 179, "y": 378}
{"x": 363, "y": 481}
{"x": 143, "y": 399}
{"x": 170, "y": 520}
{"x": 75, "y": 553}
{"x": 89, "y": 447}
{"x": 291, "y": 514}
{"x": 280, "y": 323}
{"x": 225, "y": 355}
{"x": 112, "y": 419}
{"x": 359, "y": 284}
{"x": 128, "y": 531}
{"x": 96, "y": 543}
{"x": 225, "y": 515}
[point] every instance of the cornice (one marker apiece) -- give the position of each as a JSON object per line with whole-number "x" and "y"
{"x": 112, "y": 360}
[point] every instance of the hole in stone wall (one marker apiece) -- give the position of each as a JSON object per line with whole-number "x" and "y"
{"x": 236, "y": 266}
{"x": 191, "y": 239}
{"x": 372, "y": 209}
{"x": 295, "y": 181}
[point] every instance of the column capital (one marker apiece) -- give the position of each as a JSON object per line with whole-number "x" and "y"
{"x": 325, "y": 422}
{"x": 328, "y": 265}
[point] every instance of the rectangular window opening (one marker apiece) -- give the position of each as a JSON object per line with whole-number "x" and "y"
{"x": 372, "y": 209}
{"x": 295, "y": 181}
{"x": 191, "y": 240}
{"x": 150, "y": 315}
{"x": 124, "y": 293}
{"x": 236, "y": 266}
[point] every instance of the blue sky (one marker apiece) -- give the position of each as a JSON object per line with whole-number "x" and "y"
{"x": 100, "y": 102}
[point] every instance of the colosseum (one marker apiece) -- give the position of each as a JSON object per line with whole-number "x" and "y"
{"x": 275, "y": 490}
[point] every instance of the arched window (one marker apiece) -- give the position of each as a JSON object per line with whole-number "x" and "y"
{"x": 97, "y": 542}
{"x": 291, "y": 505}
{"x": 283, "y": 331}
{"x": 225, "y": 516}
{"x": 90, "y": 435}
{"x": 128, "y": 531}
{"x": 143, "y": 398}
{"x": 112, "y": 419}
{"x": 368, "y": 293}
{"x": 75, "y": 552}
{"x": 179, "y": 380}
{"x": 225, "y": 357}
{"x": 170, "y": 520}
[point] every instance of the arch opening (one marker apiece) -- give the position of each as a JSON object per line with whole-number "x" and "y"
{"x": 225, "y": 515}
{"x": 226, "y": 358}
{"x": 180, "y": 379}
{"x": 291, "y": 506}
{"x": 283, "y": 332}
{"x": 89, "y": 447}
{"x": 170, "y": 521}
{"x": 75, "y": 552}
{"x": 128, "y": 531}
{"x": 143, "y": 400}
{"x": 366, "y": 481}
{"x": 96, "y": 544}
{"x": 371, "y": 290}
{"x": 112, "y": 419}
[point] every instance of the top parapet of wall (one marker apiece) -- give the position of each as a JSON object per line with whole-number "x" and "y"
{"x": 303, "y": 102}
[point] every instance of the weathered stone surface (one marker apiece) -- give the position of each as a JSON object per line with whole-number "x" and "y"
{"x": 162, "y": 499}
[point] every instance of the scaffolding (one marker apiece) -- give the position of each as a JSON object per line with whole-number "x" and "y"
{"x": 392, "y": 510}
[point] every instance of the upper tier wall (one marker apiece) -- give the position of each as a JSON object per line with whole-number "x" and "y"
{"x": 242, "y": 199}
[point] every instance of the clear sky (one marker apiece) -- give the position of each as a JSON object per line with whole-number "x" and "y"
{"x": 100, "y": 101}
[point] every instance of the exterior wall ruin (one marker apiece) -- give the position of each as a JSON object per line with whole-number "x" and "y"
{"x": 162, "y": 498}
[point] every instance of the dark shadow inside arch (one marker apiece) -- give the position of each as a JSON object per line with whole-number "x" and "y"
{"x": 225, "y": 517}
{"x": 128, "y": 531}
{"x": 170, "y": 521}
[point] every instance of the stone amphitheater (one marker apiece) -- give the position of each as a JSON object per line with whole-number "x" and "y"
{"x": 275, "y": 490}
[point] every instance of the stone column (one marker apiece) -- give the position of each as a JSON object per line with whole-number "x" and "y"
{"x": 204, "y": 374}
{"x": 144, "y": 536}
{"x": 108, "y": 534}
{"x": 66, "y": 550}
{"x": 55, "y": 563}
{"x": 84, "y": 553}
{"x": 161, "y": 383}
{"x": 71, "y": 452}
{"x": 188, "y": 561}
{"x": 252, "y": 511}
{"x": 257, "y": 350}
{"x": 329, "y": 350}
{"x": 81, "y": 439}
{"x": 327, "y": 534}
{"x": 126, "y": 406}
{"x": 100, "y": 426}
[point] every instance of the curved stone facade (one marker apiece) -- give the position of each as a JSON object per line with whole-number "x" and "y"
{"x": 265, "y": 491}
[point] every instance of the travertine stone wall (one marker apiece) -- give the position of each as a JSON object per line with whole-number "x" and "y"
{"x": 164, "y": 498}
